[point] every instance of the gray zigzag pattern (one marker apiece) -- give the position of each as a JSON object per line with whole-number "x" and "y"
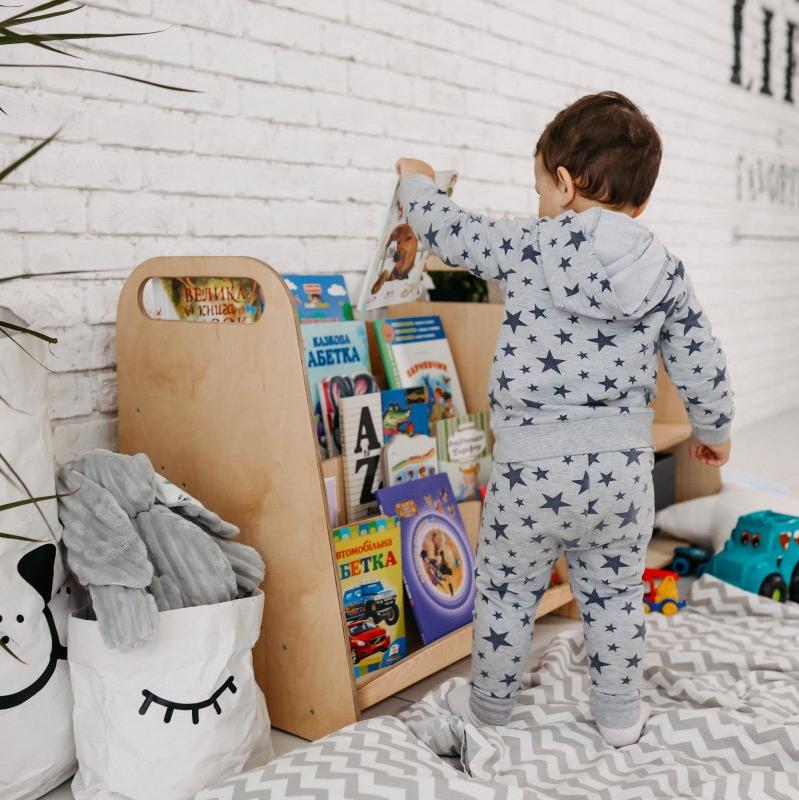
{"x": 722, "y": 678}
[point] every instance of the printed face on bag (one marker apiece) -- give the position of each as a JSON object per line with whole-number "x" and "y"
{"x": 193, "y": 709}
{"x": 29, "y": 643}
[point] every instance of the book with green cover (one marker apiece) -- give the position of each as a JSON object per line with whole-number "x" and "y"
{"x": 462, "y": 443}
{"x": 415, "y": 352}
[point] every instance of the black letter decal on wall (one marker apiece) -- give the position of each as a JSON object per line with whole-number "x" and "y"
{"x": 765, "y": 87}
{"x": 737, "y": 30}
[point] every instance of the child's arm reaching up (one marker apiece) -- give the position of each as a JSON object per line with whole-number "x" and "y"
{"x": 458, "y": 237}
{"x": 697, "y": 365}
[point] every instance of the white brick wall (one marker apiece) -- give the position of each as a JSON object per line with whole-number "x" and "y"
{"x": 286, "y": 154}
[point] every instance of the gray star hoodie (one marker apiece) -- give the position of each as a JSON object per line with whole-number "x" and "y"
{"x": 590, "y": 300}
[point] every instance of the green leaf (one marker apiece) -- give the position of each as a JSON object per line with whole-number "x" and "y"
{"x": 24, "y": 350}
{"x": 10, "y": 38}
{"x": 30, "y": 154}
{"x": 30, "y": 331}
{"x": 32, "y": 15}
{"x": 28, "y": 500}
{"x": 19, "y": 538}
{"x": 156, "y": 84}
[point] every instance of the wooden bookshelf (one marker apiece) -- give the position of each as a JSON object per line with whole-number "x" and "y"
{"x": 224, "y": 411}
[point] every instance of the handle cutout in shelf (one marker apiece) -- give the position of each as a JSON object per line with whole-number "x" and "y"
{"x": 228, "y": 299}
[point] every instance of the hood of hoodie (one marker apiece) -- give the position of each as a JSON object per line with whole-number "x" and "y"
{"x": 603, "y": 264}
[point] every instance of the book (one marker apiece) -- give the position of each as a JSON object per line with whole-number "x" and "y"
{"x": 415, "y": 352}
{"x": 396, "y": 271}
{"x": 361, "y": 451}
{"x": 332, "y": 501}
{"x": 201, "y": 299}
{"x": 331, "y": 390}
{"x": 462, "y": 444}
{"x": 319, "y": 298}
{"x": 437, "y": 559}
{"x": 332, "y": 348}
{"x": 407, "y": 458}
{"x": 369, "y": 562}
{"x": 405, "y": 411}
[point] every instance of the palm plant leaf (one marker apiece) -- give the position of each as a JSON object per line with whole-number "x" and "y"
{"x": 30, "y": 154}
{"x": 18, "y": 538}
{"x": 24, "y": 349}
{"x": 28, "y": 500}
{"x": 30, "y": 331}
{"x": 34, "y": 15}
{"x": 156, "y": 84}
{"x": 31, "y": 498}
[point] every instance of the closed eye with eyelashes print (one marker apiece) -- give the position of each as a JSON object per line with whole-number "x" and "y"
{"x": 171, "y": 707}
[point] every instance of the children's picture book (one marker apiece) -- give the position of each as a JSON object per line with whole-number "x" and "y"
{"x": 331, "y": 390}
{"x": 332, "y": 348}
{"x": 319, "y": 298}
{"x": 405, "y": 411}
{"x": 407, "y": 458}
{"x": 462, "y": 444}
{"x": 332, "y": 501}
{"x": 361, "y": 450}
{"x": 369, "y": 561}
{"x": 395, "y": 273}
{"x": 201, "y": 299}
{"x": 415, "y": 352}
{"x": 437, "y": 559}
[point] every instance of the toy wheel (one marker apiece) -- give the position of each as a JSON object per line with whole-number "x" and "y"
{"x": 774, "y": 587}
{"x": 354, "y": 657}
{"x": 681, "y": 565}
{"x": 669, "y": 608}
{"x": 393, "y": 615}
{"x": 793, "y": 589}
{"x": 371, "y": 612}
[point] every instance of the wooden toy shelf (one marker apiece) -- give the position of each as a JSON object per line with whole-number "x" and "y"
{"x": 224, "y": 411}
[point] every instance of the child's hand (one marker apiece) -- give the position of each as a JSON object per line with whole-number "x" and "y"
{"x": 413, "y": 166}
{"x": 714, "y": 455}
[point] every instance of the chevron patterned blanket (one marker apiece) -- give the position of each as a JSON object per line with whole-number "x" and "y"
{"x": 722, "y": 678}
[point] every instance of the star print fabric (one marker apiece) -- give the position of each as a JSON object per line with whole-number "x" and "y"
{"x": 590, "y": 301}
{"x": 598, "y": 508}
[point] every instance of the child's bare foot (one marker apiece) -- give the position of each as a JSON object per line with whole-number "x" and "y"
{"x": 621, "y": 737}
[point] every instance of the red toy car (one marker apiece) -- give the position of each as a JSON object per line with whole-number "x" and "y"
{"x": 662, "y": 593}
{"x": 367, "y": 638}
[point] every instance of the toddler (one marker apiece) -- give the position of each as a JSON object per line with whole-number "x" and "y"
{"x": 591, "y": 298}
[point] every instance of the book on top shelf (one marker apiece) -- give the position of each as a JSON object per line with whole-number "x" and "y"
{"x": 332, "y": 348}
{"x": 415, "y": 352}
{"x": 319, "y": 298}
{"x": 437, "y": 560}
{"x": 397, "y": 269}
{"x": 369, "y": 564}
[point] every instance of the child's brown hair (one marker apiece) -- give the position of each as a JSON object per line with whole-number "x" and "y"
{"x": 610, "y": 148}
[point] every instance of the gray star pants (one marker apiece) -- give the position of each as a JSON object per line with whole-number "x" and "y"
{"x": 599, "y": 509}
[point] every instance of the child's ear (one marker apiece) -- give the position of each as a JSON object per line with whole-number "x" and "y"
{"x": 37, "y": 567}
{"x": 565, "y": 186}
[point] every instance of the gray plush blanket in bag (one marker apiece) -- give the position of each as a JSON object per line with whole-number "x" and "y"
{"x": 139, "y": 545}
{"x": 722, "y": 678}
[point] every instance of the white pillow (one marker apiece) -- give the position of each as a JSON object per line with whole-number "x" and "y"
{"x": 708, "y": 521}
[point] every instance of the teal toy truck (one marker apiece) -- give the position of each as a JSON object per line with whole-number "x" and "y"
{"x": 761, "y": 556}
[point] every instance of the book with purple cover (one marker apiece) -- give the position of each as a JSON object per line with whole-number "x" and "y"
{"x": 437, "y": 559}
